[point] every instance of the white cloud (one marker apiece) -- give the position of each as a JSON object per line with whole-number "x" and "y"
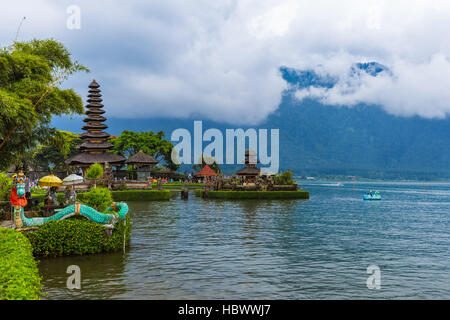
{"x": 415, "y": 89}
{"x": 220, "y": 59}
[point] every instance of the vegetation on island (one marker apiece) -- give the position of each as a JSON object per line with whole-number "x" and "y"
{"x": 19, "y": 275}
{"x": 284, "y": 178}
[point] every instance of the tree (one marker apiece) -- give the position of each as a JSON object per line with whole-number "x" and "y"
{"x": 207, "y": 160}
{"x": 94, "y": 172}
{"x": 98, "y": 198}
{"x": 30, "y": 73}
{"x": 5, "y": 186}
{"x": 131, "y": 142}
{"x": 58, "y": 148}
{"x": 284, "y": 178}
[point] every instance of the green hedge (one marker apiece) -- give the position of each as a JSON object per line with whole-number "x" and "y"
{"x": 122, "y": 195}
{"x": 255, "y": 194}
{"x": 60, "y": 196}
{"x": 77, "y": 236}
{"x": 141, "y": 195}
{"x": 19, "y": 276}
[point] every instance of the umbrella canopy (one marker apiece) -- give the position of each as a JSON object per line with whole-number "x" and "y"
{"x": 72, "y": 179}
{"x": 50, "y": 181}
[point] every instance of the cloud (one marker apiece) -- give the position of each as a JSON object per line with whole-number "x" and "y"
{"x": 412, "y": 89}
{"x": 220, "y": 59}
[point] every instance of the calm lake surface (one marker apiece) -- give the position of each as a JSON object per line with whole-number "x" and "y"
{"x": 284, "y": 249}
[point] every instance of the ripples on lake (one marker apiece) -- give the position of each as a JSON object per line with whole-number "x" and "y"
{"x": 290, "y": 249}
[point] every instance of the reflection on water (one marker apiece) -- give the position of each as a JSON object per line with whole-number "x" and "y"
{"x": 291, "y": 249}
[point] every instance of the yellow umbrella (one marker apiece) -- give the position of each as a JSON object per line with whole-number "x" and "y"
{"x": 50, "y": 181}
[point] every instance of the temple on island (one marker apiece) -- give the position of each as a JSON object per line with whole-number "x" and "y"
{"x": 250, "y": 172}
{"x": 96, "y": 144}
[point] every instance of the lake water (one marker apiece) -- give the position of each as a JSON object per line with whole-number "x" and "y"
{"x": 284, "y": 249}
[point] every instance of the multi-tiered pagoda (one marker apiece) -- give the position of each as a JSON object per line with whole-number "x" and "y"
{"x": 96, "y": 142}
{"x": 250, "y": 172}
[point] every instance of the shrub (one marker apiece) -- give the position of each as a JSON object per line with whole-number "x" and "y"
{"x": 19, "y": 276}
{"x": 78, "y": 236}
{"x": 5, "y": 186}
{"x": 94, "y": 172}
{"x": 284, "y": 178}
{"x": 98, "y": 198}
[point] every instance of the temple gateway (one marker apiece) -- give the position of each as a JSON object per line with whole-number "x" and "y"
{"x": 96, "y": 144}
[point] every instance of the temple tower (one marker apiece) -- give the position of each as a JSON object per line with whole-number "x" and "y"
{"x": 96, "y": 144}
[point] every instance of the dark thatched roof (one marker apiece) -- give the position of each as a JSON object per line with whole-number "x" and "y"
{"x": 88, "y": 112}
{"x": 95, "y": 98}
{"x": 91, "y": 158}
{"x": 94, "y": 85}
{"x": 248, "y": 171}
{"x": 94, "y": 118}
{"x": 166, "y": 172}
{"x": 94, "y": 126}
{"x": 141, "y": 158}
{"x": 90, "y": 145}
{"x": 97, "y": 135}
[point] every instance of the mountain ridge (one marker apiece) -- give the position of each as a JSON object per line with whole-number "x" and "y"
{"x": 321, "y": 140}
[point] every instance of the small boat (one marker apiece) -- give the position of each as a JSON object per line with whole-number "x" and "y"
{"x": 372, "y": 196}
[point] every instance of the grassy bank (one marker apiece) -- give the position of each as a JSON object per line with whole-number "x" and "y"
{"x": 77, "y": 236}
{"x": 19, "y": 276}
{"x": 275, "y": 195}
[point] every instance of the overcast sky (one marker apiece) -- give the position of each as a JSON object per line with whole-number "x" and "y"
{"x": 220, "y": 59}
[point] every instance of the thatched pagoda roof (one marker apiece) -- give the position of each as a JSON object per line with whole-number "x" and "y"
{"x": 97, "y": 135}
{"x": 90, "y": 145}
{"x": 142, "y": 158}
{"x": 206, "y": 172}
{"x": 248, "y": 171}
{"x": 91, "y": 126}
{"x": 96, "y": 118}
{"x": 88, "y": 112}
{"x": 166, "y": 172}
{"x": 86, "y": 158}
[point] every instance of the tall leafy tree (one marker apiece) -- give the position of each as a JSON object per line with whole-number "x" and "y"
{"x": 154, "y": 144}
{"x": 58, "y": 148}
{"x": 30, "y": 75}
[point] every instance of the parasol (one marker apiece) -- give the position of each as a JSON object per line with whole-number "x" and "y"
{"x": 50, "y": 181}
{"x": 72, "y": 179}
